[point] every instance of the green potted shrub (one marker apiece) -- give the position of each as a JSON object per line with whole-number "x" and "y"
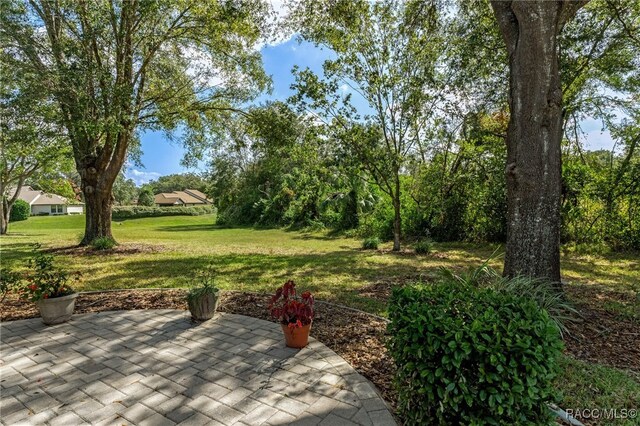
{"x": 47, "y": 286}
{"x": 203, "y": 296}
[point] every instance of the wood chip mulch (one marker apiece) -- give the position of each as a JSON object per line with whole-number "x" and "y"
{"x": 356, "y": 336}
{"x": 602, "y": 335}
{"x": 120, "y": 249}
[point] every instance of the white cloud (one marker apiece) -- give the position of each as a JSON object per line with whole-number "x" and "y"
{"x": 141, "y": 177}
{"x": 344, "y": 88}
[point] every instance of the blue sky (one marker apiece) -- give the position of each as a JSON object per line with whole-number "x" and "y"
{"x": 162, "y": 157}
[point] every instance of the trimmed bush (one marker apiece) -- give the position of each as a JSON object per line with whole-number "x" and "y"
{"x": 472, "y": 356}
{"x": 423, "y": 247}
{"x": 135, "y": 212}
{"x": 103, "y": 243}
{"x": 146, "y": 198}
{"x": 19, "y": 211}
{"x": 371, "y": 243}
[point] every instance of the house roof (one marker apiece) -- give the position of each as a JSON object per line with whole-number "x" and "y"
{"x": 198, "y": 194}
{"x": 166, "y": 198}
{"x": 36, "y": 197}
{"x": 188, "y": 196}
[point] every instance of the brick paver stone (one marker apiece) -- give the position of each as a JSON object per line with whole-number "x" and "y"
{"x": 156, "y": 368}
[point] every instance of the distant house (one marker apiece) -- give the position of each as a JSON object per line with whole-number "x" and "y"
{"x": 43, "y": 203}
{"x": 188, "y": 197}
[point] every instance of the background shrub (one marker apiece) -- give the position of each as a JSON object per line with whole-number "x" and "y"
{"x": 19, "y": 211}
{"x": 103, "y": 243}
{"x": 134, "y": 212}
{"x": 146, "y": 198}
{"x": 371, "y": 243}
{"x": 472, "y": 356}
{"x": 423, "y": 247}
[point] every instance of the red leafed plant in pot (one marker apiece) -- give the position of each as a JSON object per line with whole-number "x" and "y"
{"x": 294, "y": 312}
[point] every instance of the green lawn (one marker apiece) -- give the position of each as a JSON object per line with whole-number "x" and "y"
{"x": 335, "y": 268}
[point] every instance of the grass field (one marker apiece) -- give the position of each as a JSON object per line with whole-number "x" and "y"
{"x": 167, "y": 250}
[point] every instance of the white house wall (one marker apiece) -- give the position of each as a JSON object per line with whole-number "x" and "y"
{"x": 45, "y": 209}
{"x": 74, "y": 209}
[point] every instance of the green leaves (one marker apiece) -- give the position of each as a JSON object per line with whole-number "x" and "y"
{"x": 469, "y": 365}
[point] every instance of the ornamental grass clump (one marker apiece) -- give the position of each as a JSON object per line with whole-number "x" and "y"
{"x": 468, "y": 355}
{"x": 371, "y": 243}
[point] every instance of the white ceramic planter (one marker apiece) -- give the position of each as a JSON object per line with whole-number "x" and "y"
{"x": 58, "y": 309}
{"x": 203, "y": 308}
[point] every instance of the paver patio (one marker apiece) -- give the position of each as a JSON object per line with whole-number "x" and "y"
{"x": 157, "y": 368}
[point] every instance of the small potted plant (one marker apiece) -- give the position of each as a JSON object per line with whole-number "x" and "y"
{"x": 202, "y": 298}
{"x": 295, "y": 314}
{"x": 47, "y": 286}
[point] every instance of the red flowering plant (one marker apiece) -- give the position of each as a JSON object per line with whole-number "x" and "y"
{"x": 289, "y": 308}
{"x": 45, "y": 280}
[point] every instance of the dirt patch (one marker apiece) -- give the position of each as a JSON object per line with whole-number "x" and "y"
{"x": 120, "y": 249}
{"x": 603, "y": 336}
{"x": 356, "y": 336}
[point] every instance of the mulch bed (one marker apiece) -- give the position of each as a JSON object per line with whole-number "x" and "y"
{"x": 121, "y": 249}
{"x": 356, "y": 336}
{"x": 601, "y": 337}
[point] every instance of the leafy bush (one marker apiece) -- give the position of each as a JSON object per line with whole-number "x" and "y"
{"x": 103, "y": 243}
{"x": 9, "y": 281}
{"x": 146, "y": 198}
{"x": 472, "y": 356}
{"x": 45, "y": 279}
{"x": 541, "y": 292}
{"x": 135, "y": 212}
{"x": 423, "y": 247}
{"x": 19, "y": 211}
{"x": 371, "y": 243}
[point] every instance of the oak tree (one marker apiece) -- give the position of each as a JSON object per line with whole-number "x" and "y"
{"x": 117, "y": 67}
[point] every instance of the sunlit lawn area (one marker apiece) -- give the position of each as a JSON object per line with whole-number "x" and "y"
{"x": 166, "y": 251}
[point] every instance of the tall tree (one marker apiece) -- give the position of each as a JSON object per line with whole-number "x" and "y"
{"x": 382, "y": 89}
{"x": 530, "y": 30}
{"x": 30, "y": 144}
{"x": 119, "y": 66}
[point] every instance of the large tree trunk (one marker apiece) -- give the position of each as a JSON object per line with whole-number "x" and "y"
{"x": 533, "y": 172}
{"x": 98, "y": 216}
{"x": 96, "y": 187}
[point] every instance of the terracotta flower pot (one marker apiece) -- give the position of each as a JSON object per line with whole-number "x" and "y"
{"x": 296, "y": 337}
{"x": 204, "y": 307}
{"x": 57, "y": 310}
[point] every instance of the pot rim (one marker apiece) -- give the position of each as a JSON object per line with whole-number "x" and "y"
{"x": 67, "y": 297}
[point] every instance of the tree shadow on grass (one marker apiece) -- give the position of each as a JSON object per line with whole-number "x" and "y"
{"x": 337, "y": 276}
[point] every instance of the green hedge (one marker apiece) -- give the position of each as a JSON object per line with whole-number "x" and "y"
{"x": 133, "y": 212}
{"x": 472, "y": 356}
{"x": 19, "y": 211}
